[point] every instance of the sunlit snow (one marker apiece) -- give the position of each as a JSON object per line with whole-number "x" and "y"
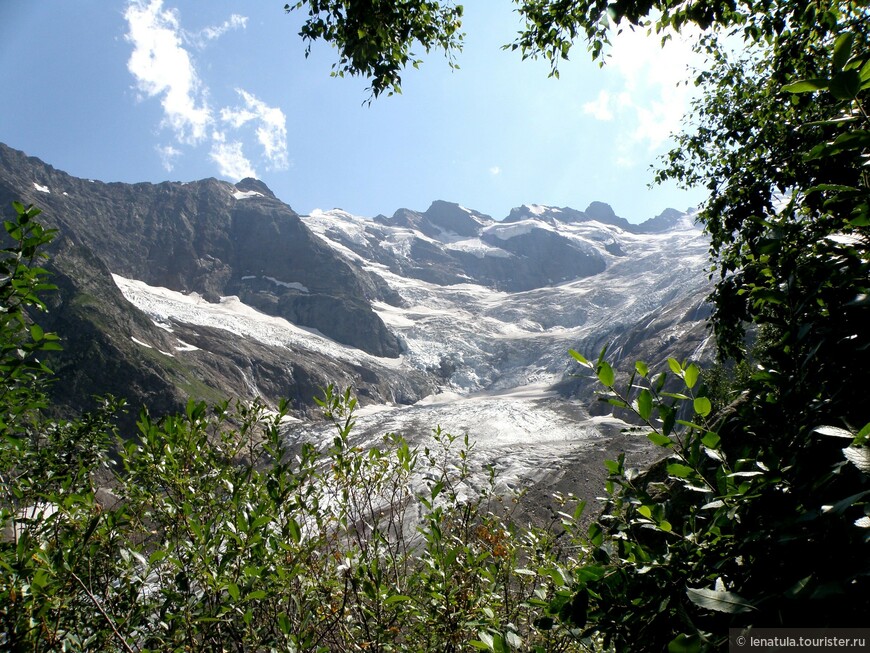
{"x": 498, "y": 354}
{"x": 246, "y": 194}
{"x": 232, "y": 315}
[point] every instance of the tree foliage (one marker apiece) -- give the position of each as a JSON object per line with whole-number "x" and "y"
{"x": 374, "y": 38}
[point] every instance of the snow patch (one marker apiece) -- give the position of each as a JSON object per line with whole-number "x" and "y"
{"x": 504, "y": 231}
{"x": 162, "y": 325}
{"x": 139, "y": 342}
{"x": 477, "y": 248}
{"x": 288, "y": 284}
{"x": 232, "y": 315}
{"x": 246, "y": 194}
{"x": 41, "y": 189}
{"x": 540, "y": 209}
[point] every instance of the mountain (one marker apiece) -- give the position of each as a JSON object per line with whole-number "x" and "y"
{"x": 445, "y": 316}
{"x": 207, "y": 237}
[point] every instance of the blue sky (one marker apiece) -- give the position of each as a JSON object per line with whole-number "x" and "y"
{"x": 154, "y": 90}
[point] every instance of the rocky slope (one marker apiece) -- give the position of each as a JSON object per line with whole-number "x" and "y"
{"x": 214, "y": 239}
{"x": 209, "y": 289}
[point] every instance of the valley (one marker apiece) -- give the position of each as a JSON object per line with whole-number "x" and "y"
{"x": 439, "y": 318}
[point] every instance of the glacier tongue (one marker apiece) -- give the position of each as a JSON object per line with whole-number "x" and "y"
{"x": 528, "y": 436}
{"x": 500, "y": 357}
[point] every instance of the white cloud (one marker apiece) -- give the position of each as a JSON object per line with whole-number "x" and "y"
{"x": 200, "y": 38}
{"x": 495, "y": 171}
{"x": 230, "y": 158}
{"x": 599, "y": 108}
{"x": 168, "y": 154}
{"x": 162, "y": 67}
{"x": 271, "y": 129}
{"x": 648, "y": 93}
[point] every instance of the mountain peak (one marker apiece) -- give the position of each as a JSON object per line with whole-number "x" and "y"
{"x": 453, "y": 217}
{"x": 601, "y": 212}
{"x": 251, "y": 185}
{"x": 667, "y": 220}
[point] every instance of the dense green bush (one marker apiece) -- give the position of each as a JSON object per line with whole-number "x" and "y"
{"x": 739, "y": 525}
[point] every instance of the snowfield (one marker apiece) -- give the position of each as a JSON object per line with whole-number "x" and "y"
{"x": 497, "y": 354}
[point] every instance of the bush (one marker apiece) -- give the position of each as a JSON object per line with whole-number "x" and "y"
{"x": 738, "y": 526}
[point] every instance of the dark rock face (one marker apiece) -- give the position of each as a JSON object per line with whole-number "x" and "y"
{"x": 204, "y": 237}
{"x": 604, "y": 213}
{"x": 194, "y": 237}
{"x": 668, "y": 219}
{"x": 452, "y": 217}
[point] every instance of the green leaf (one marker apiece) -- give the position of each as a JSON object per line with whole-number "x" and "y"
{"x": 660, "y": 381}
{"x": 675, "y": 366}
{"x": 711, "y": 440}
{"x": 646, "y": 511}
{"x": 590, "y": 573}
{"x": 487, "y": 640}
{"x": 690, "y": 425}
{"x": 579, "y": 358}
{"x": 806, "y": 86}
{"x": 795, "y": 590}
{"x": 679, "y": 470}
{"x": 295, "y": 531}
{"x": 692, "y": 374}
{"x": 842, "y": 51}
{"x": 644, "y": 404}
{"x": 659, "y": 439}
{"x": 846, "y": 85}
{"x": 396, "y": 598}
{"x": 833, "y": 431}
{"x": 36, "y": 332}
{"x": 642, "y": 368}
{"x": 858, "y": 456}
{"x": 702, "y": 406}
{"x": 685, "y": 644}
{"x": 544, "y": 623}
{"x": 719, "y": 600}
{"x": 233, "y": 591}
{"x": 596, "y": 534}
{"x": 574, "y": 612}
{"x": 669, "y": 417}
{"x": 605, "y": 374}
